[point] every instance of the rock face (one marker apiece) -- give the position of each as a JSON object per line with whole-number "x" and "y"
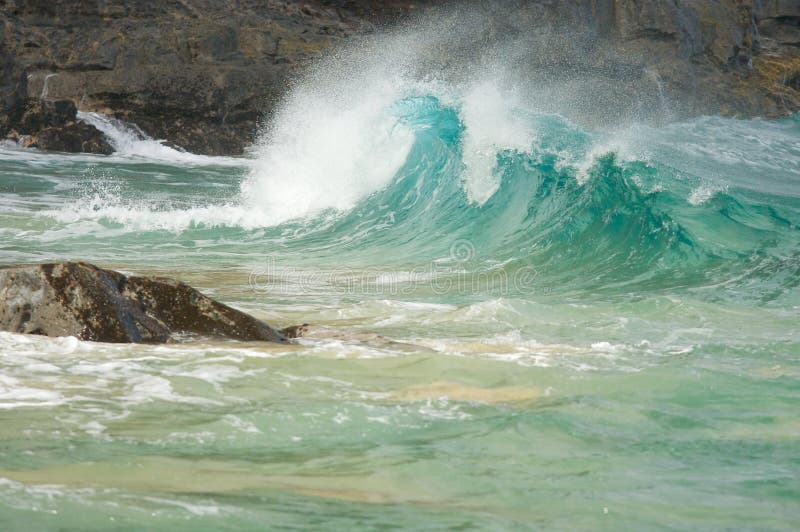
{"x": 13, "y": 89}
{"x": 82, "y": 300}
{"x": 202, "y": 73}
{"x": 197, "y": 73}
{"x": 50, "y": 124}
{"x": 737, "y": 58}
{"x": 729, "y": 57}
{"x": 74, "y": 137}
{"x": 40, "y": 114}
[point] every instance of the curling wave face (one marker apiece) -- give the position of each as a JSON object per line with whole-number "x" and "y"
{"x": 410, "y": 180}
{"x": 603, "y": 317}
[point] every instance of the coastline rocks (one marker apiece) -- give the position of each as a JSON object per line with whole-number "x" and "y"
{"x": 91, "y": 303}
{"x": 13, "y": 89}
{"x": 52, "y": 124}
{"x": 199, "y": 74}
{"x": 73, "y": 137}
{"x": 40, "y": 114}
{"x": 203, "y": 74}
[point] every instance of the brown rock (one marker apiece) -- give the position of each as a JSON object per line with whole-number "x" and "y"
{"x": 73, "y": 137}
{"x": 183, "y": 309}
{"x": 40, "y": 114}
{"x": 26, "y": 141}
{"x": 52, "y": 124}
{"x": 295, "y": 331}
{"x": 91, "y": 303}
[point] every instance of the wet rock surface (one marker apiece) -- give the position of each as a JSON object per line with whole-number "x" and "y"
{"x": 52, "y": 124}
{"x": 91, "y": 303}
{"x": 73, "y": 137}
{"x": 295, "y": 331}
{"x": 202, "y": 74}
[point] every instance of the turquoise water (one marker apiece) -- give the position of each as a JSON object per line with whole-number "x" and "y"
{"x": 516, "y": 322}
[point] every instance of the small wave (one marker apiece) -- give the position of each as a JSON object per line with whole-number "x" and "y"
{"x": 129, "y": 141}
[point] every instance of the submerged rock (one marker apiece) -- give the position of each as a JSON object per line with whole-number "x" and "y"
{"x": 91, "y": 303}
{"x": 295, "y": 331}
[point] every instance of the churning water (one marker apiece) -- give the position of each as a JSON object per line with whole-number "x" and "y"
{"x": 519, "y": 320}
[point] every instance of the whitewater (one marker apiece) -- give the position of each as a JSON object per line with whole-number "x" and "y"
{"x": 520, "y": 317}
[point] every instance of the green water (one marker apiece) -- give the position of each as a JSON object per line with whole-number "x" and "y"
{"x": 607, "y": 339}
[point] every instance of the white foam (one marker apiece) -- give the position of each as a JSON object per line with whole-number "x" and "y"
{"x": 703, "y": 193}
{"x": 129, "y": 140}
{"x": 241, "y": 424}
{"x": 617, "y": 144}
{"x": 214, "y": 374}
{"x": 332, "y": 142}
{"x": 147, "y": 388}
{"x": 14, "y": 394}
{"x": 139, "y": 216}
{"x": 96, "y": 429}
{"x": 493, "y": 123}
{"x": 194, "y": 509}
{"x": 25, "y": 344}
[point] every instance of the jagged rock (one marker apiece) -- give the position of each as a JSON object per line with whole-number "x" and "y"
{"x": 52, "y": 124}
{"x": 91, "y": 303}
{"x": 13, "y": 89}
{"x": 40, "y": 114}
{"x": 73, "y": 137}
{"x": 199, "y": 74}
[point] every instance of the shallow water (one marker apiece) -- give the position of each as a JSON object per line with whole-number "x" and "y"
{"x": 517, "y": 322}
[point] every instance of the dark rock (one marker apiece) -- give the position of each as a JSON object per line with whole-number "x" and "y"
{"x": 184, "y": 309}
{"x": 40, "y": 114}
{"x": 74, "y": 299}
{"x": 26, "y": 141}
{"x": 91, "y": 303}
{"x": 199, "y": 74}
{"x": 73, "y": 137}
{"x": 13, "y": 89}
{"x": 52, "y": 124}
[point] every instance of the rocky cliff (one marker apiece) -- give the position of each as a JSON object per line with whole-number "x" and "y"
{"x": 203, "y": 73}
